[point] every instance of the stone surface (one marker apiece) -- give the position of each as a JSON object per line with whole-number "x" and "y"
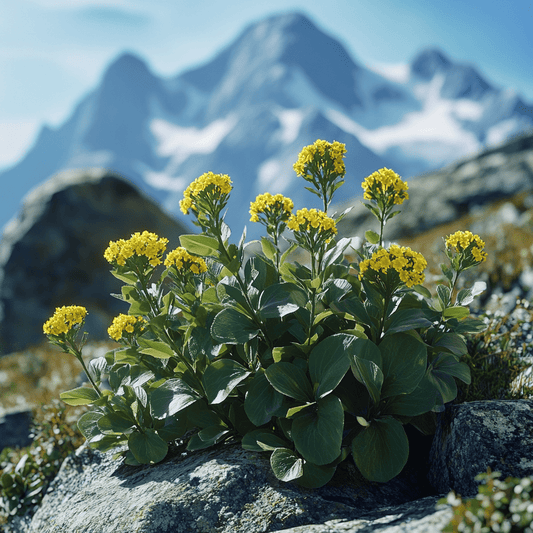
{"x": 52, "y": 254}
{"x": 15, "y": 428}
{"x": 226, "y": 489}
{"x": 473, "y": 436}
{"x": 465, "y": 187}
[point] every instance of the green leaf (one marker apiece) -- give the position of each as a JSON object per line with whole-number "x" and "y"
{"x": 381, "y": 450}
{"x": 281, "y": 299}
{"x": 407, "y": 319}
{"x": 171, "y": 397}
{"x": 147, "y": 447}
{"x": 456, "y": 312}
{"x": 269, "y": 249}
{"x": 97, "y": 367}
{"x": 114, "y": 423}
{"x": 262, "y": 400}
{"x": 470, "y": 325}
{"x": 201, "y": 245}
{"x": 213, "y": 434}
{"x": 317, "y": 433}
{"x": 286, "y": 465}
{"x": 173, "y": 429}
{"x": 354, "y": 307}
{"x": 451, "y": 342}
{"x": 315, "y": 476}
{"x": 232, "y": 327}
{"x": 260, "y": 440}
{"x": 199, "y": 415}
{"x": 157, "y": 349}
{"x": 420, "y": 401}
{"x": 366, "y": 363}
{"x": 196, "y": 443}
{"x": 80, "y": 396}
{"x": 329, "y": 362}
{"x": 138, "y": 305}
{"x": 441, "y": 374}
{"x": 404, "y": 364}
{"x": 221, "y": 377}
{"x": 290, "y": 380}
{"x": 372, "y": 237}
{"x": 295, "y": 410}
{"x": 128, "y": 355}
{"x": 104, "y": 443}
{"x": 124, "y": 275}
{"x": 445, "y": 296}
{"x": 88, "y": 424}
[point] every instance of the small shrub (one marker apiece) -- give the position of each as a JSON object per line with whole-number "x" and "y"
{"x": 26, "y": 473}
{"x": 500, "y": 506}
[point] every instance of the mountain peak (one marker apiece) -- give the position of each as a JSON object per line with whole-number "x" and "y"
{"x": 428, "y": 62}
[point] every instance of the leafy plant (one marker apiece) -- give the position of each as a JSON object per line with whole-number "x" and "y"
{"x": 26, "y": 473}
{"x": 310, "y": 362}
{"x": 504, "y": 506}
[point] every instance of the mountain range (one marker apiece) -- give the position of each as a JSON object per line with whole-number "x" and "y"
{"x": 280, "y": 85}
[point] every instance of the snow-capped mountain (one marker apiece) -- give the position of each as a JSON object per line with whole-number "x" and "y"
{"x": 279, "y": 86}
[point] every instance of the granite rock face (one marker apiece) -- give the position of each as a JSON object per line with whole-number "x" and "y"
{"x": 52, "y": 253}
{"x": 458, "y": 189}
{"x": 473, "y": 436}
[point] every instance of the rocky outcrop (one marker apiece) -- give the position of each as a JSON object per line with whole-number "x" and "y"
{"x": 52, "y": 253}
{"x": 461, "y": 188}
{"x": 474, "y": 436}
{"x": 15, "y": 427}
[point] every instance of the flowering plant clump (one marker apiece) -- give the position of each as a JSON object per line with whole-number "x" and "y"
{"x": 144, "y": 244}
{"x": 312, "y": 363}
{"x": 64, "y": 320}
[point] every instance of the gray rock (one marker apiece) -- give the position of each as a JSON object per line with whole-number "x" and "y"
{"x": 52, "y": 254}
{"x": 473, "y": 436}
{"x": 15, "y": 428}
{"x": 224, "y": 490}
{"x": 458, "y": 189}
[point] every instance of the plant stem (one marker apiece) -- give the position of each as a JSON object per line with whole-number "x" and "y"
{"x": 85, "y": 369}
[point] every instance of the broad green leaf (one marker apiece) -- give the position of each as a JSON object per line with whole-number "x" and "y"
{"x": 295, "y": 410}
{"x": 174, "y": 428}
{"x": 372, "y": 237}
{"x": 201, "y": 245}
{"x": 105, "y": 443}
{"x": 381, "y": 450}
{"x": 269, "y": 249}
{"x": 260, "y": 440}
{"x": 404, "y": 363}
{"x": 262, "y": 400}
{"x": 406, "y": 319}
{"x": 196, "y": 443}
{"x": 157, "y": 349}
{"x": 451, "y": 342}
{"x": 88, "y": 424}
{"x": 232, "y": 327}
{"x": 328, "y": 363}
{"x": 470, "y": 325}
{"x": 444, "y": 294}
{"x": 456, "y": 312}
{"x": 129, "y": 355}
{"x": 315, "y": 476}
{"x": 317, "y": 433}
{"x": 138, "y": 305}
{"x": 290, "y": 380}
{"x": 97, "y": 367}
{"x": 199, "y": 415}
{"x": 80, "y": 396}
{"x": 114, "y": 423}
{"x": 281, "y": 299}
{"x": 286, "y": 465}
{"x": 213, "y": 434}
{"x": 335, "y": 290}
{"x": 366, "y": 363}
{"x": 221, "y": 377}
{"x": 171, "y": 397}
{"x": 418, "y": 402}
{"x": 126, "y": 276}
{"x": 441, "y": 374}
{"x": 147, "y": 447}
{"x": 353, "y": 307}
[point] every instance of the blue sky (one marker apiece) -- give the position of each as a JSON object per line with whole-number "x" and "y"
{"x": 52, "y": 52}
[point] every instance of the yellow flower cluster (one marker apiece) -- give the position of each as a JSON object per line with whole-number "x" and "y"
{"x": 64, "y": 319}
{"x": 385, "y": 182}
{"x": 335, "y": 151}
{"x": 183, "y": 260}
{"x": 145, "y": 243}
{"x": 267, "y": 202}
{"x": 123, "y": 323}
{"x": 461, "y": 240}
{"x": 305, "y": 219}
{"x": 410, "y": 265}
{"x": 221, "y": 183}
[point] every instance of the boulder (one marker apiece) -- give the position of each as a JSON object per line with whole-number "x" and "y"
{"x": 465, "y": 187}
{"x": 52, "y": 253}
{"x": 15, "y": 427}
{"x": 473, "y": 436}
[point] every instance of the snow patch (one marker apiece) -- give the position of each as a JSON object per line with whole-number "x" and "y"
{"x": 163, "y": 181}
{"x": 397, "y": 72}
{"x": 500, "y": 132}
{"x": 179, "y": 143}
{"x": 468, "y": 110}
{"x": 272, "y": 176}
{"x": 291, "y": 122}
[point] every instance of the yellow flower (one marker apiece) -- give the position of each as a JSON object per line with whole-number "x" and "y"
{"x": 325, "y": 154}
{"x": 408, "y": 264}
{"x": 385, "y": 183}
{"x": 145, "y": 243}
{"x": 462, "y": 240}
{"x": 308, "y": 219}
{"x": 125, "y": 323}
{"x": 183, "y": 260}
{"x": 64, "y": 319}
{"x": 268, "y": 204}
{"x": 221, "y": 184}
